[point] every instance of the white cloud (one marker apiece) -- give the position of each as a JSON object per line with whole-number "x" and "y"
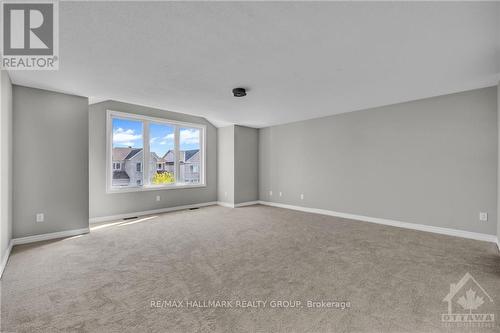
{"x": 187, "y": 136}
{"x": 125, "y": 137}
{"x": 190, "y": 136}
{"x": 167, "y": 139}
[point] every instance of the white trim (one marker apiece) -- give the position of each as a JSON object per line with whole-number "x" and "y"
{"x": 154, "y": 188}
{"x": 54, "y": 235}
{"x": 137, "y": 116}
{"x": 148, "y": 212}
{"x": 146, "y": 156}
{"x": 5, "y": 259}
{"x": 225, "y": 204}
{"x": 248, "y": 203}
{"x": 394, "y": 223}
{"x": 177, "y": 160}
{"x": 241, "y": 204}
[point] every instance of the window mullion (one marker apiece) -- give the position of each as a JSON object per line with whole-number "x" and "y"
{"x": 177, "y": 167}
{"x": 147, "y": 154}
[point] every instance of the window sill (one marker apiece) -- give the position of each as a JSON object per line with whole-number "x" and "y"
{"x": 152, "y": 188}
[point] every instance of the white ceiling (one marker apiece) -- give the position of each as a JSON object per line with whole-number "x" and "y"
{"x": 298, "y": 60}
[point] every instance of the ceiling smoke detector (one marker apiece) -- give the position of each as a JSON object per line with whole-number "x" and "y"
{"x": 239, "y": 92}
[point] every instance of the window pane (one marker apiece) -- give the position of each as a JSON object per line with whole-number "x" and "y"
{"x": 190, "y": 155}
{"x": 161, "y": 145}
{"x": 127, "y": 152}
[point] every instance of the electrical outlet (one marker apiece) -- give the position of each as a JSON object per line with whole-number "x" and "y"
{"x": 271, "y": 193}
{"x": 302, "y": 196}
{"x": 158, "y": 198}
{"x": 483, "y": 216}
{"x": 281, "y": 194}
{"x": 40, "y": 217}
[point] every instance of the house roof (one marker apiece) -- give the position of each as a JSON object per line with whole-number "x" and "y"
{"x": 158, "y": 158}
{"x": 190, "y": 153}
{"x": 134, "y": 152}
{"x": 169, "y": 156}
{"x": 119, "y": 153}
{"x": 124, "y": 153}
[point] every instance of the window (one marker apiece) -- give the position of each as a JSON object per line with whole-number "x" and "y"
{"x": 189, "y": 143}
{"x": 127, "y": 143}
{"x": 161, "y": 142}
{"x": 147, "y": 153}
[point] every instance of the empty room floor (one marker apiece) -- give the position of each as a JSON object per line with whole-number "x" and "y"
{"x": 122, "y": 275}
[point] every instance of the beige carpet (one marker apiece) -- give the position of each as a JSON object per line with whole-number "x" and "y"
{"x": 394, "y": 279}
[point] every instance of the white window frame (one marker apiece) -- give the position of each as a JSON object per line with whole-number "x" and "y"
{"x": 146, "y": 120}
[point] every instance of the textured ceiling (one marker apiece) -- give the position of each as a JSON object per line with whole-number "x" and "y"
{"x": 298, "y": 60}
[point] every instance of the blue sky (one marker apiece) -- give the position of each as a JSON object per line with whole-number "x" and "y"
{"x": 129, "y": 133}
{"x": 161, "y": 138}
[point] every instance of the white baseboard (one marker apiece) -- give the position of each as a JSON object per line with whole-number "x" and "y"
{"x": 5, "y": 259}
{"x": 241, "y": 204}
{"x": 248, "y": 203}
{"x": 149, "y": 212}
{"x": 394, "y": 223}
{"x": 53, "y": 235}
{"x": 225, "y": 204}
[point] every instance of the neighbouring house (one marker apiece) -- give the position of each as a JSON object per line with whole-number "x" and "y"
{"x": 190, "y": 166}
{"x": 169, "y": 161}
{"x": 128, "y": 165}
{"x": 189, "y": 161}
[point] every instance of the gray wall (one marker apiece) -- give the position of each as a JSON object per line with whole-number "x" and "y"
{"x": 50, "y": 161}
{"x": 432, "y": 161}
{"x": 5, "y": 164}
{"x": 246, "y": 161}
{"x": 225, "y": 164}
{"x": 498, "y": 173}
{"x": 103, "y": 204}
